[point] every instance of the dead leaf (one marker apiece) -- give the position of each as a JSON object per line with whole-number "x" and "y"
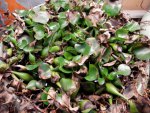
{"x": 110, "y": 63}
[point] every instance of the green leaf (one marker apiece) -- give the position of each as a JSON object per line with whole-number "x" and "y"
{"x": 67, "y": 84}
{"x": 133, "y": 107}
{"x": 45, "y": 52}
{"x": 54, "y": 26}
{"x": 22, "y": 13}
{"x": 68, "y": 55}
{"x": 83, "y": 48}
{"x": 103, "y": 71}
{"x": 101, "y": 81}
{"x": 24, "y": 41}
{"x": 112, "y": 10}
{"x": 112, "y": 75}
{"x": 142, "y": 53}
{"x": 3, "y": 66}
{"x": 132, "y": 26}
{"x": 92, "y": 73}
{"x": 39, "y": 32}
{"x": 67, "y": 71}
{"x": 54, "y": 49}
{"x": 124, "y": 69}
{"x": 28, "y": 49}
{"x": 60, "y": 3}
{"x": 116, "y": 39}
{"x": 60, "y": 61}
{"x": 31, "y": 67}
{"x": 31, "y": 85}
{"x": 31, "y": 58}
{"x": 122, "y": 33}
{"x": 45, "y": 95}
{"x": 62, "y": 15}
{"x": 110, "y": 88}
{"x": 63, "y": 23}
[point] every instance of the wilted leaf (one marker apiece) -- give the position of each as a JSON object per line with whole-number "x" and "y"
{"x": 73, "y": 17}
{"x": 44, "y": 71}
{"x": 68, "y": 85}
{"x": 94, "y": 45}
{"x": 41, "y": 17}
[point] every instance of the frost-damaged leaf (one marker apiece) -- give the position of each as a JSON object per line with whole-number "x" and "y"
{"x": 24, "y": 41}
{"x": 132, "y": 26}
{"x": 142, "y": 83}
{"x": 73, "y": 17}
{"x": 93, "y": 43}
{"x": 1, "y": 49}
{"x": 44, "y": 71}
{"x": 92, "y": 73}
{"x": 64, "y": 100}
{"x": 69, "y": 85}
{"x": 142, "y": 53}
{"x": 41, "y": 17}
{"x": 86, "y": 106}
{"x": 124, "y": 69}
{"x": 112, "y": 10}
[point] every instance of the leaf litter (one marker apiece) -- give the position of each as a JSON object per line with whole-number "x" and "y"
{"x": 74, "y": 56}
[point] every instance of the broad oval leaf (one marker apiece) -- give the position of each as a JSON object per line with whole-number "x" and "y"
{"x": 83, "y": 48}
{"x": 31, "y": 85}
{"x": 92, "y": 73}
{"x": 44, "y": 71}
{"x": 67, "y": 84}
{"x": 94, "y": 45}
{"x": 54, "y": 26}
{"x": 132, "y": 26}
{"x": 101, "y": 81}
{"x": 142, "y": 53}
{"x": 112, "y": 10}
{"x": 124, "y": 69}
{"x": 41, "y": 17}
{"x": 122, "y": 33}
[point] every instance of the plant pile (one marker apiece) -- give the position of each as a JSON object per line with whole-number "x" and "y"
{"x": 76, "y": 56}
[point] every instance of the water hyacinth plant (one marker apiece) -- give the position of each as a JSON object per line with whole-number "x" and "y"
{"x": 71, "y": 53}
